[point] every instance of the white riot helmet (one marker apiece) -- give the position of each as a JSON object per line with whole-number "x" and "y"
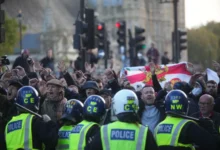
{"x": 125, "y": 101}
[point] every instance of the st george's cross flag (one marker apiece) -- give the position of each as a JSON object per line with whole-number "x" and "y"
{"x": 140, "y": 76}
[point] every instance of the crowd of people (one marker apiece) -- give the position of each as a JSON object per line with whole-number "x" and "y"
{"x": 79, "y": 110}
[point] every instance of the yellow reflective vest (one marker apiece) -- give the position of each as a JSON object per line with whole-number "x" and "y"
{"x": 167, "y": 132}
{"x": 63, "y": 141}
{"x": 18, "y": 132}
{"x": 123, "y": 136}
{"x": 78, "y": 135}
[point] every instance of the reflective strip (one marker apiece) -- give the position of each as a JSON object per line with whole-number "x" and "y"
{"x": 105, "y": 135}
{"x": 140, "y": 137}
{"x": 155, "y": 132}
{"x": 175, "y": 133}
{"x": 82, "y": 136}
{"x": 26, "y": 133}
{"x": 63, "y": 146}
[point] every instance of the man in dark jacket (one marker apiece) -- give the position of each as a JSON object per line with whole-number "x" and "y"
{"x": 48, "y": 61}
{"x": 206, "y": 105}
{"x": 153, "y": 54}
{"x": 211, "y": 88}
{"x": 165, "y": 60}
{"x": 22, "y": 60}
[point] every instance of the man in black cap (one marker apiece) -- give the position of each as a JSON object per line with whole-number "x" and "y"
{"x": 91, "y": 88}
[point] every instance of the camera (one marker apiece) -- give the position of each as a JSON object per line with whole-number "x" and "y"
{"x": 5, "y": 60}
{"x": 29, "y": 60}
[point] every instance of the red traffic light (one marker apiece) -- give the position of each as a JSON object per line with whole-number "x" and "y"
{"x": 99, "y": 27}
{"x": 117, "y": 24}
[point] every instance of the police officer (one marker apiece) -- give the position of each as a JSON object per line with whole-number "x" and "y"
{"x": 93, "y": 112}
{"x": 26, "y": 131}
{"x": 177, "y": 133}
{"x": 126, "y": 133}
{"x": 72, "y": 115}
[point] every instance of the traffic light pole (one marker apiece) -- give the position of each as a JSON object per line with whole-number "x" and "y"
{"x": 175, "y": 9}
{"x": 106, "y": 48}
{"x": 83, "y": 49}
{"x": 131, "y": 48}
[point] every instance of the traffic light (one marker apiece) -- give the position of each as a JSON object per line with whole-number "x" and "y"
{"x": 182, "y": 40}
{"x": 80, "y": 40}
{"x": 90, "y": 34}
{"x": 85, "y": 31}
{"x": 100, "y": 28}
{"x": 139, "y": 38}
{"x": 121, "y": 33}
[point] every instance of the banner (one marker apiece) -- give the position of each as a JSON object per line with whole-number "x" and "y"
{"x": 140, "y": 76}
{"x": 212, "y": 75}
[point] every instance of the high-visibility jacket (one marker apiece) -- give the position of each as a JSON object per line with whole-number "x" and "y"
{"x": 18, "y": 132}
{"x": 167, "y": 132}
{"x": 63, "y": 140}
{"x": 78, "y": 135}
{"x": 124, "y": 136}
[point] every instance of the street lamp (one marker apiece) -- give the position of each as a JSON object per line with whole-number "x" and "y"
{"x": 19, "y": 16}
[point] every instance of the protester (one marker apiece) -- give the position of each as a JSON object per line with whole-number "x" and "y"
{"x": 54, "y": 103}
{"x": 23, "y": 60}
{"x": 153, "y": 54}
{"x": 151, "y": 112}
{"x": 164, "y": 59}
{"x": 48, "y": 61}
{"x": 206, "y": 105}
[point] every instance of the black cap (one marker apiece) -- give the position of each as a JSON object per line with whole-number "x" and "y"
{"x": 105, "y": 92}
{"x": 15, "y": 83}
{"x": 91, "y": 85}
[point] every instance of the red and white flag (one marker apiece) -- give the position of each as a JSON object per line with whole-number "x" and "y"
{"x": 140, "y": 76}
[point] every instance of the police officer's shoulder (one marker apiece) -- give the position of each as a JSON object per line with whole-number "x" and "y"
{"x": 190, "y": 125}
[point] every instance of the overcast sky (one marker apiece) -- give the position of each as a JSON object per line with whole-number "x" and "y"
{"x": 199, "y": 12}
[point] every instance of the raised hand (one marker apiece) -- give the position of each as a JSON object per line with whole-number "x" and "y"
{"x": 152, "y": 68}
{"x": 33, "y": 82}
{"x": 38, "y": 66}
{"x": 109, "y": 74}
{"x": 216, "y": 65}
{"x": 190, "y": 67}
{"x": 80, "y": 77}
{"x": 42, "y": 87}
{"x": 89, "y": 68}
{"x": 61, "y": 66}
{"x": 20, "y": 72}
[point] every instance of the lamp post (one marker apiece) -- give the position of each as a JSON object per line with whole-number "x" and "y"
{"x": 20, "y": 27}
